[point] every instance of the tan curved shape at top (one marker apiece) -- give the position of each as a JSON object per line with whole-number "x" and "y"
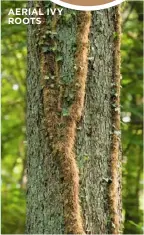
{"x": 87, "y": 2}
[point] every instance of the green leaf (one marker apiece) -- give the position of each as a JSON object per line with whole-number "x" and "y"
{"x": 59, "y": 58}
{"x": 65, "y": 112}
{"x": 45, "y": 49}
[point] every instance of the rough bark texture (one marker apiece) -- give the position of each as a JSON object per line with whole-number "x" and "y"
{"x": 46, "y": 185}
{"x": 44, "y": 188}
{"x": 94, "y": 142}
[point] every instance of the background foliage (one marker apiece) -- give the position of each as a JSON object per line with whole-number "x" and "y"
{"x": 13, "y": 119}
{"x": 13, "y": 122}
{"x": 131, "y": 101}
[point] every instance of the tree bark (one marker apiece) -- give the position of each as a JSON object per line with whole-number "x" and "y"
{"x": 95, "y": 138}
{"x": 73, "y": 156}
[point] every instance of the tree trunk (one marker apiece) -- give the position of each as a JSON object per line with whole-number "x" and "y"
{"x": 95, "y": 139}
{"x": 73, "y": 123}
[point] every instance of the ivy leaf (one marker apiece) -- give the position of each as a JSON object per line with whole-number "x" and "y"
{"x": 65, "y": 112}
{"x": 54, "y": 48}
{"x": 59, "y": 58}
{"x": 45, "y": 49}
{"x": 115, "y": 35}
{"x": 51, "y": 32}
{"x": 46, "y": 78}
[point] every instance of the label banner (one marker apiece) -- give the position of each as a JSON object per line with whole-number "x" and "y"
{"x": 87, "y": 5}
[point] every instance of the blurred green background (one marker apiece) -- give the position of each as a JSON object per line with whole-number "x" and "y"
{"x": 14, "y": 112}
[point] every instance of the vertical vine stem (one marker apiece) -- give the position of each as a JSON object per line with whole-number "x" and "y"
{"x": 115, "y": 150}
{"x": 62, "y": 129}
